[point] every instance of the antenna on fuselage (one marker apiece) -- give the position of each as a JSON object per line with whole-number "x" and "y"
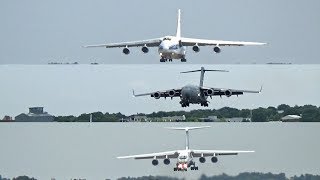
{"x": 186, "y": 129}
{"x": 203, "y": 70}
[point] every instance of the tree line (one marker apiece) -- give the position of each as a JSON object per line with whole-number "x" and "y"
{"x": 308, "y": 113}
{"x": 241, "y": 176}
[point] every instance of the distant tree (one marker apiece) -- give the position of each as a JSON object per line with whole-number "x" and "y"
{"x": 283, "y": 107}
{"x": 259, "y": 115}
{"x": 310, "y": 114}
{"x": 23, "y": 178}
{"x": 245, "y": 113}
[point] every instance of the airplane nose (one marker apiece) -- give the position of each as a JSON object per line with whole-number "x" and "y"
{"x": 163, "y": 46}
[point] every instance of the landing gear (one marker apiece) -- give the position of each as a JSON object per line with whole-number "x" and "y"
{"x": 194, "y": 167}
{"x": 163, "y": 60}
{"x": 177, "y": 169}
{"x": 184, "y": 104}
{"x": 183, "y": 60}
{"x": 205, "y": 104}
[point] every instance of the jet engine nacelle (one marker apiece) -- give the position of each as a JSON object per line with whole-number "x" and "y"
{"x": 166, "y": 161}
{"x": 172, "y": 93}
{"x": 145, "y": 49}
{"x": 217, "y": 49}
{"x": 214, "y": 159}
{"x": 155, "y": 162}
{"x": 228, "y": 93}
{"x": 210, "y": 92}
{"x": 202, "y": 159}
{"x": 196, "y": 48}
{"x": 126, "y": 51}
{"x": 156, "y": 95}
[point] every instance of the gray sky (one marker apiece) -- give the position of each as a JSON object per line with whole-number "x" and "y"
{"x": 36, "y": 32}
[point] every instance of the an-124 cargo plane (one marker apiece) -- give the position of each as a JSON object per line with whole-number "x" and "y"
{"x": 192, "y": 94}
{"x": 185, "y": 157}
{"x": 174, "y": 47}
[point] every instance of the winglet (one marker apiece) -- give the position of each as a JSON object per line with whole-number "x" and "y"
{"x": 133, "y": 94}
{"x": 261, "y": 89}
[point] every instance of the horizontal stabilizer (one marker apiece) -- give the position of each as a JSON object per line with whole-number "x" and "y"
{"x": 187, "y": 128}
{"x": 205, "y": 70}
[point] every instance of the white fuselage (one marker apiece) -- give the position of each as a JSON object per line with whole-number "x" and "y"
{"x": 184, "y": 160}
{"x": 171, "y": 49}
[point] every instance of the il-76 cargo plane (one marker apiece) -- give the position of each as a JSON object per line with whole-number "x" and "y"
{"x": 174, "y": 47}
{"x": 185, "y": 158}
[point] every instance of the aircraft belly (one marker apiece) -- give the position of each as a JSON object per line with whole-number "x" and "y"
{"x": 191, "y": 94}
{"x": 172, "y": 54}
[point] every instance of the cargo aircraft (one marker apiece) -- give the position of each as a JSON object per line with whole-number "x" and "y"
{"x": 193, "y": 94}
{"x": 186, "y": 157}
{"x": 174, "y": 47}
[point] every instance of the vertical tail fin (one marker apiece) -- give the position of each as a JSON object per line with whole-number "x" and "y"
{"x": 202, "y": 70}
{"x": 186, "y": 129}
{"x": 178, "y": 34}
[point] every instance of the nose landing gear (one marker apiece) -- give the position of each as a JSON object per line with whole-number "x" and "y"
{"x": 165, "y": 60}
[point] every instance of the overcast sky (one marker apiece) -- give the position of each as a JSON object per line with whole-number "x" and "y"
{"x": 36, "y": 31}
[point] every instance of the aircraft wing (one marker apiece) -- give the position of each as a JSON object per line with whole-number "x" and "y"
{"x": 147, "y": 42}
{"x": 205, "y": 153}
{"x": 227, "y": 92}
{"x": 159, "y": 155}
{"x": 164, "y": 93}
{"x": 207, "y": 42}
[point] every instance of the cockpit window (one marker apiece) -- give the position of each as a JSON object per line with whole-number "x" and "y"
{"x": 173, "y": 47}
{"x": 183, "y": 157}
{"x": 166, "y": 38}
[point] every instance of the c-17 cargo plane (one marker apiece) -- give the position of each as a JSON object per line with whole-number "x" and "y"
{"x": 174, "y": 47}
{"x": 185, "y": 158}
{"x": 191, "y": 94}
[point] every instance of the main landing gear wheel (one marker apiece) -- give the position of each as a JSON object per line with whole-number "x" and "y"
{"x": 185, "y": 104}
{"x": 170, "y": 60}
{"x": 194, "y": 168}
{"x": 205, "y": 104}
{"x": 183, "y": 60}
{"x": 162, "y": 60}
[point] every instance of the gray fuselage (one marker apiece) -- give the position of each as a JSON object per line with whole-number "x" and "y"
{"x": 193, "y": 95}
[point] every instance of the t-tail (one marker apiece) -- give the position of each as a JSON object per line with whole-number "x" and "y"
{"x": 186, "y": 129}
{"x": 202, "y": 70}
{"x": 178, "y": 34}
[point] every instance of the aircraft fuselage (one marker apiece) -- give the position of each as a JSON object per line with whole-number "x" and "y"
{"x": 184, "y": 161}
{"x": 170, "y": 48}
{"x": 191, "y": 94}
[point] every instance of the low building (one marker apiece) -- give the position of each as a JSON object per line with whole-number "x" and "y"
{"x": 135, "y": 118}
{"x": 291, "y": 118}
{"x": 235, "y": 119}
{"x": 174, "y": 118}
{"x": 210, "y": 119}
{"x": 36, "y": 114}
{"x": 7, "y": 119}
